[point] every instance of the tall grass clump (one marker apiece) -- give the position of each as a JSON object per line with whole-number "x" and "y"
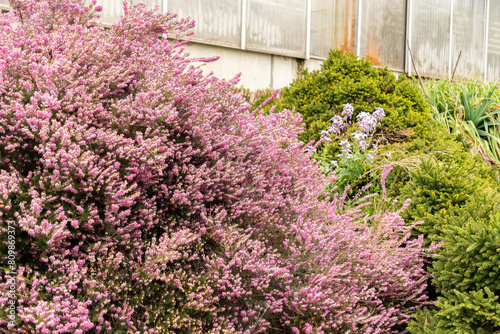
{"x": 145, "y": 196}
{"x": 470, "y": 110}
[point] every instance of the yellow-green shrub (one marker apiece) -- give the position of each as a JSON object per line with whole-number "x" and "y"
{"x": 321, "y": 94}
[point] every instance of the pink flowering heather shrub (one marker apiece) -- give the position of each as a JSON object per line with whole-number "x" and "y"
{"x": 147, "y": 199}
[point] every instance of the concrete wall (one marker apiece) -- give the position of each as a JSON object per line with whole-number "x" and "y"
{"x": 259, "y": 70}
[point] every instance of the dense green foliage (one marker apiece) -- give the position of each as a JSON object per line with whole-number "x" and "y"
{"x": 458, "y": 202}
{"x": 321, "y": 94}
{"x": 456, "y": 196}
{"x": 466, "y": 272}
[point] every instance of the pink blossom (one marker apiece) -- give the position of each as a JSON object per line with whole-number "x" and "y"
{"x": 148, "y": 198}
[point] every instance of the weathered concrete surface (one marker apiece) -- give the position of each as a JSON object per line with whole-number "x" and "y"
{"x": 259, "y": 70}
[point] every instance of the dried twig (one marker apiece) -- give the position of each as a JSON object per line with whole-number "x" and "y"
{"x": 415, "y": 68}
{"x": 456, "y": 64}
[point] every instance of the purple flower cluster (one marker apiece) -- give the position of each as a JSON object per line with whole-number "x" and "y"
{"x": 367, "y": 122}
{"x": 339, "y": 124}
{"x": 148, "y": 200}
{"x": 347, "y": 111}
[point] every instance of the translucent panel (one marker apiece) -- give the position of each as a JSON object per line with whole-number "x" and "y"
{"x": 216, "y": 20}
{"x": 382, "y": 32}
{"x": 332, "y": 26}
{"x": 277, "y": 26}
{"x": 430, "y": 35}
{"x": 112, "y": 9}
{"x": 150, "y": 4}
{"x": 4, "y": 3}
{"x": 468, "y": 32}
{"x": 494, "y": 42}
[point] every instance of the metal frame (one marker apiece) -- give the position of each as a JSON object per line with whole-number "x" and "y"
{"x": 308, "y": 30}
{"x": 407, "y": 42}
{"x": 407, "y": 64}
{"x": 244, "y": 5}
{"x": 358, "y": 27}
{"x": 486, "y": 39}
{"x": 450, "y": 55}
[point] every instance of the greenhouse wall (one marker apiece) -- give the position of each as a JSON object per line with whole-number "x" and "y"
{"x": 444, "y": 38}
{"x": 4, "y": 4}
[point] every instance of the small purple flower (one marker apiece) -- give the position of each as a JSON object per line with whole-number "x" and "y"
{"x": 337, "y": 124}
{"x": 325, "y": 135}
{"x": 347, "y": 111}
{"x": 310, "y": 148}
{"x": 345, "y": 144}
{"x": 362, "y": 145}
{"x": 366, "y": 122}
{"x": 334, "y": 129}
{"x": 379, "y": 113}
{"x": 359, "y": 136}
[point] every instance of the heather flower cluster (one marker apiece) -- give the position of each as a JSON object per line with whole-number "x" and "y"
{"x": 149, "y": 199}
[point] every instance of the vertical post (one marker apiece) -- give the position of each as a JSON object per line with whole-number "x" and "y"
{"x": 450, "y": 59}
{"x": 407, "y": 42}
{"x": 486, "y": 38}
{"x": 358, "y": 28}
{"x": 164, "y": 9}
{"x": 243, "y": 23}
{"x": 308, "y": 30}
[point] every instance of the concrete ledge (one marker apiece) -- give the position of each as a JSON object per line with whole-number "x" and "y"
{"x": 259, "y": 70}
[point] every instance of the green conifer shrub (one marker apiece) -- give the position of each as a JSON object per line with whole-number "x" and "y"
{"x": 321, "y": 94}
{"x": 456, "y": 196}
{"x": 436, "y": 187}
{"x": 460, "y": 313}
{"x": 466, "y": 270}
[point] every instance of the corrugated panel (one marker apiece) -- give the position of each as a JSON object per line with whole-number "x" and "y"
{"x": 111, "y": 10}
{"x": 382, "y": 32}
{"x": 469, "y": 18}
{"x": 332, "y": 26}
{"x": 430, "y": 34}
{"x": 4, "y": 4}
{"x": 150, "y": 4}
{"x": 494, "y": 41}
{"x": 216, "y": 20}
{"x": 277, "y": 26}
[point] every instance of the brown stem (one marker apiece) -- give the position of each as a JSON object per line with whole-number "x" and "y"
{"x": 456, "y": 64}
{"x": 415, "y": 68}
